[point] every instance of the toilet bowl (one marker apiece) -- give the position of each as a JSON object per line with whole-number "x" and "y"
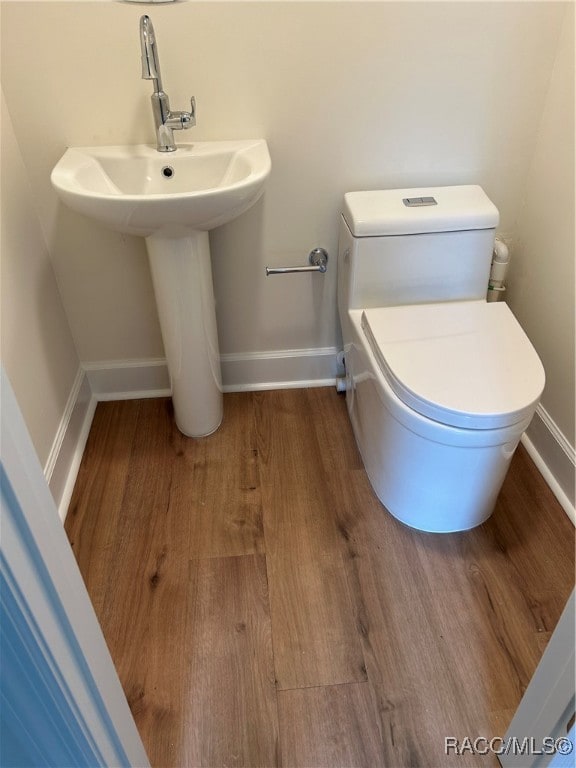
{"x": 440, "y": 384}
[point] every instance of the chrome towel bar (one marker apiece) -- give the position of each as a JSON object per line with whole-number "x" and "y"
{"x": 317, "y": 258}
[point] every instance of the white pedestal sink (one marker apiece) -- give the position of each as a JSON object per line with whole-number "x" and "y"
{"x": 173, "y": 200}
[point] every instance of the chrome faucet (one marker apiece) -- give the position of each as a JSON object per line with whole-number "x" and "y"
{"x": 165, "y": 121}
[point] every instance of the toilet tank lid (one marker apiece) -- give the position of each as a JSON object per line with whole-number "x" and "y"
{"x": 419, "y": 210}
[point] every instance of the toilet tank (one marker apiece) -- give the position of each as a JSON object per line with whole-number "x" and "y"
{"x": 415, "y": 246}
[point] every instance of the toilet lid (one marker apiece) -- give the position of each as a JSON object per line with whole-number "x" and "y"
{"x": 466, "y": 364}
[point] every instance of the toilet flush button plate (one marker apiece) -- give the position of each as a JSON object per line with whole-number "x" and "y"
{"x": 417, "y": 202}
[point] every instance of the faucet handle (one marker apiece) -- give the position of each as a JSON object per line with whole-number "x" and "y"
{"x": 179, "y": 120}
{"x": 182, "y": 120}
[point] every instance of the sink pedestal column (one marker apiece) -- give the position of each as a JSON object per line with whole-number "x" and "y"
{"x": 182, "y": 278}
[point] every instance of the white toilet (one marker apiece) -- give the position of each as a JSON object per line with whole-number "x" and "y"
{"x": 440, "y": 384}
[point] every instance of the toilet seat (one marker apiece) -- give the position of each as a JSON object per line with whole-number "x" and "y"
{"x": 464, "y": 364}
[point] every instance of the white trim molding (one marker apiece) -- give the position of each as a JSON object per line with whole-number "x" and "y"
{"x": 128, "y": 379}
{"x": 68, "y": 446}
{"x": 554, "y": 457}
{"x": 281, "y": 369}
{"x": 242, "y": 372}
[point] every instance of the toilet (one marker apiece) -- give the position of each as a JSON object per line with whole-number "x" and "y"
{"x": 440, "y": 383}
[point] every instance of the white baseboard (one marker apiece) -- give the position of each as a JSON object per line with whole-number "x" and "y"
{"x": 285, "y": 369}
{"x": 128, "y": 379}
{"x": 68, "y": 447}
{"x": 251, "y": 371}
{"x": 554, "y": 457}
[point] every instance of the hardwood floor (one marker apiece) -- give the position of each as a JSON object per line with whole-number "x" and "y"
{"x": 263, "y": 609}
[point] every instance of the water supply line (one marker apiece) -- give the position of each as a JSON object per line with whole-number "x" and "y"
{"x": 498, "y": 270}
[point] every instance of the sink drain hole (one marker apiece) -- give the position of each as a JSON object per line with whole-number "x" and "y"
{"x": 168, "y": 172}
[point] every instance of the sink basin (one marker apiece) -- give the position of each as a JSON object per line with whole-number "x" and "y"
{"x": 140, "y": 191}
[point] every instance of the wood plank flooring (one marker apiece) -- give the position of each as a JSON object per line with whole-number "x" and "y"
{"x": 263, "y": 609}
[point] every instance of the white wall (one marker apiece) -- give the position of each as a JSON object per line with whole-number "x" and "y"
{"x": 37, "y": 348}
{"x": 542, "y": 268}
{"x": 541, "y": 284}
{"x": 348, "y": 95}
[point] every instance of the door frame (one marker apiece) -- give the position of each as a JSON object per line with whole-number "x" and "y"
{"x": 61, "y": 693}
